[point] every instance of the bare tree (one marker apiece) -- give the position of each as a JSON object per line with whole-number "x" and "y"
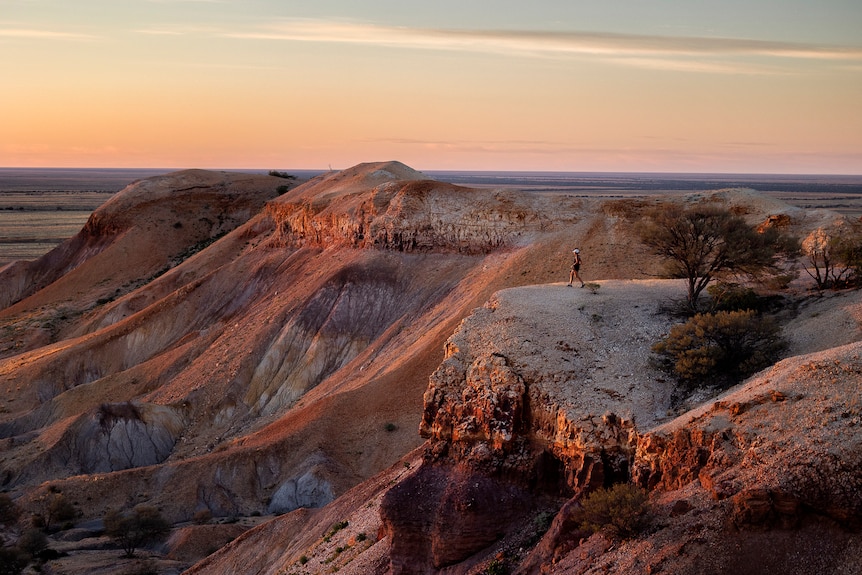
{"x": 9, "y": 511}
{"x": 144, "y": 524}
{"x": 54, "y": 506}
{"x": 833, "y": 255}
{"x": 700, "y": 243}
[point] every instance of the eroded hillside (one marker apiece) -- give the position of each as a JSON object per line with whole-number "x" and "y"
{"x": 195, "y": 351}
{"x": 210, "y": 349}
{"x": 547, "y": 391}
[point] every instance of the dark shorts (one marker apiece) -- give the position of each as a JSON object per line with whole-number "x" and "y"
{"x": 576, "y": 267}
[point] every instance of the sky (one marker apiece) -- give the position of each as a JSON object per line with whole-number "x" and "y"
{"x": 723, "y": 86}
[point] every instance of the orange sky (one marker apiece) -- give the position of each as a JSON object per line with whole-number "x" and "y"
{"x": 567, "y": 86}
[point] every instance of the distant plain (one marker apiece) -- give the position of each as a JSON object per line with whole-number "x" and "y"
{"x": 41, "y": 207}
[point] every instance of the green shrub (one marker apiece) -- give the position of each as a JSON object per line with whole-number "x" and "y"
{"x": 723, "y": 347}
{"x": 338, "y": 526}
{"x": 620, "y": 510}
{"x": 540, "y": 525}
{"x": 497, "y": 567}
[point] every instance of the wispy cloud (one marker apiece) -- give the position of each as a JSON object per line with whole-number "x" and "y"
{"x": 160, "y": 32}
{"x": 188, "y": 1}
{"x": 37, "y": 34}
{"x": 692, "y": 65}
{"x": 179, "y": 30}
{"x": 713, "y": 55}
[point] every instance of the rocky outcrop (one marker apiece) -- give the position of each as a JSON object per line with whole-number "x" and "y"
{"x": 507, "y": 413}
{"x": 738, "y": 447}
{"x": 764, "y": 479}
{"x": 484, "y": 413}
{"x": 444, "y": 514}
{"x": 495, "y": 392}
{"x": 528, "y": 416}
{"x": 409, "y": 215}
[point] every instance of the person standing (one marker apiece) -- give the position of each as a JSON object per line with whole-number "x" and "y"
{"x": 576, "y": 267}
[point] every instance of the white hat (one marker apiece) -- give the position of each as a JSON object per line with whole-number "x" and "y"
{"x": 576, "y": 250}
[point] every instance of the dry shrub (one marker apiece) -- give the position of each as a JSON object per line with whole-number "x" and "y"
{"x": 627, "y": 209}
{"x": 721, "y": 348}
{"x": 202, "y": 517}
{"x": 734, "y": 297}
{"x": 620, "y": 510}
{"x": 9, "y": 511}
{"x": 12, "y": 560}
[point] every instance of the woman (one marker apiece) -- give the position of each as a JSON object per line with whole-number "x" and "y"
{"x": 576, "y": 267}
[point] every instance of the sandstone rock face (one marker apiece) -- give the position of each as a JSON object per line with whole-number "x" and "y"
{"x": 496, "y": 392}
{"x": 491, "y": 406}
{"x": 739, "y": 447}
{"x": 308, "y": 490}
{"x": 442, "y": 515}
{"x": 407, "y": 215}
{"x": 335, "y": 325}
{"x": 127, "y": 435}
{"x": 534, "y": 415}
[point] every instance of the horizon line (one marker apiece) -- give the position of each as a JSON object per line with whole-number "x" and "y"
{"x": 442, "y": 170}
